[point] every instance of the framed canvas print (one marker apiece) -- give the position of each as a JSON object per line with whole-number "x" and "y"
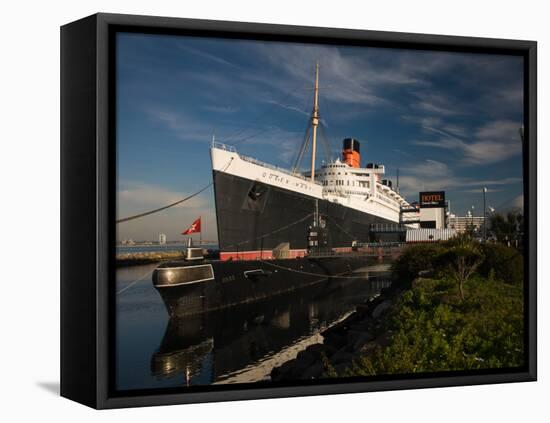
{"x": 256, "y": 211}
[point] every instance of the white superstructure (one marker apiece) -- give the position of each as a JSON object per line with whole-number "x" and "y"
{"x": 357, "y": 188}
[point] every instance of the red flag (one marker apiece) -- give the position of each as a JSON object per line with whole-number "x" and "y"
{"x": 194, "y": 228}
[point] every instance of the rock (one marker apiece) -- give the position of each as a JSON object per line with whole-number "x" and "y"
{"x": 363, "y": 309}
{"x": 305, "y": 358}
{"x": 362, "y": 326}
{"x": 337, "y": 340}
{"x": 381, "y": 308}
{"x": 313, "y": 371}
{"x": 316, "y": 349}
{"x": 362, "y": 340}
{"x": 353, "y": 336}
{"x": 285, "y": 371}
{"x": 341, "y": 357}
{"x": 340, "y": 368}
{"x": 330, "y": 350}
{"x": 258, "y": 319}
{"x": 298, "y": 368}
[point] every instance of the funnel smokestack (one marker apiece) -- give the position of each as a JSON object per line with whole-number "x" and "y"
{"x": 350, "y": 152}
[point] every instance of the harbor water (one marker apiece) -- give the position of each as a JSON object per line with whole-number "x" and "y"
{"x": 240, "y": 344}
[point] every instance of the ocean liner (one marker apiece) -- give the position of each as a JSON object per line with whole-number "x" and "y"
{"x": 279, "y": 230}
{"x": 262, "y": 209}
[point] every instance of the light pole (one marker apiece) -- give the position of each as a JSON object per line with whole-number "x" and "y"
{"x": 484, "y": 214}
{"x": 473, "y": 227}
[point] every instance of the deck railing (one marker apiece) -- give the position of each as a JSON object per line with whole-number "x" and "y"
{"x": 263, "y": 164}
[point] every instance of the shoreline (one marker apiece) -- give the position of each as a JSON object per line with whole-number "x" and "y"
{"x": 343, "y": 342}
{"x": 147, "y": 257}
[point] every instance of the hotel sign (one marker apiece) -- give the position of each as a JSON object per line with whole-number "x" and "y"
{"x": 432, "y": 199}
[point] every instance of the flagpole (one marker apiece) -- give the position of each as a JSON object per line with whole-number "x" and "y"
{"x": 200, "y": 233}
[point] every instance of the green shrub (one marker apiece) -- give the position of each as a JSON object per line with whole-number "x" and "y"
{"x": 415, "y": 259}
{"x": 435, "y": 327}
{"x": 502, "y": 263}
{"x": 432, "y": 331}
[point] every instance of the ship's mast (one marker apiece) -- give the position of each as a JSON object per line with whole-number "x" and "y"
{"x": 315, "y": 121}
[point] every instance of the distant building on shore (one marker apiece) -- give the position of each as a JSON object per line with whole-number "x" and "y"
{"x": 162, "y": 239}
{"x": 462, "y": 223}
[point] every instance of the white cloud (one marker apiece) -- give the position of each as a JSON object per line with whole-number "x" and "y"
{"x": 212, "y": 57}
{"x": 435, "y": 175}
{"x": 436, "y": 104}
{"x": 290, "y": 107}
{"x": 493, "y": 142}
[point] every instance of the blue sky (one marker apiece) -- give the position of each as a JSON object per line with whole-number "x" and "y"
{"x": 448, "y": 121}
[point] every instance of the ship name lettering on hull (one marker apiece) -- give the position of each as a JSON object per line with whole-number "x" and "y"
{"x": 281, "y": 180}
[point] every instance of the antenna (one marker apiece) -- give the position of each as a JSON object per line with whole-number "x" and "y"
{"x": 315, "y": 121}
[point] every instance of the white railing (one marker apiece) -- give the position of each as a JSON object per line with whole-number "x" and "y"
{"x": 278, "y": 169}
{"x": 226, "y": 147}
{"x": 252, "y": 160}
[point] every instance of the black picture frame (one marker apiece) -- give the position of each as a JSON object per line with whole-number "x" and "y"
{"x": 88, "y": 199}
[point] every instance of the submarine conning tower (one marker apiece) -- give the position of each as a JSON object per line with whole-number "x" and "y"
{"x": 351, "y": 153}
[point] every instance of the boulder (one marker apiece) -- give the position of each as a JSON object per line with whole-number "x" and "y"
{"x": 362, "y": 340}
{"x": 341, "y": 356}
{"x": 362, "y": 326}
{"x": 316, "y": 349}
{"x": 314, "y": 371}
{"x": 381, "y": 308}
{"x": 363, "y": 309}
{"x": 282, "y": 372}
{"x": 330, "y": 350}
{"x": 353, "y": 336}
{"x": 335, "y": 339}
{"x": 305, "y": 358}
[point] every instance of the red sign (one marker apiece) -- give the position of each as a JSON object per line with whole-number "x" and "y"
{"x": 194, "y": 228}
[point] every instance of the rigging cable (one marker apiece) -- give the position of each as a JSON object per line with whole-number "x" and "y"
{"x": 325, "y": 142}
{"x": 342, "y": 229}
{"x": 324, "y": 276}
{"x": 303, "y": 148}
{"x": 305, "y": 140}
{"x": 147, "y": 213}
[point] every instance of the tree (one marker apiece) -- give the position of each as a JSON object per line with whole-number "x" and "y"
{"x": 461, "y": 259}
{"x": 507, "y": 229}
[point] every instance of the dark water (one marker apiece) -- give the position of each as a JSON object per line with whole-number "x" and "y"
{"x": 240, "y": 344}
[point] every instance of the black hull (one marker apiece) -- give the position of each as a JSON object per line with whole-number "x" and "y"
{"x": 245, "y": 281}
{"x": 253, "y": 216}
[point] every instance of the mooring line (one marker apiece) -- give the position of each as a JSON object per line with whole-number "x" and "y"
{"x": 136, "y": 216}
{"x": 310, "y": 273}
{"x": 139, "y": 279}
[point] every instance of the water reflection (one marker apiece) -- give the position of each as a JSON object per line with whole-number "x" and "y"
{"x": 243, "y": 343}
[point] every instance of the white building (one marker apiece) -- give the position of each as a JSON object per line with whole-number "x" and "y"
{"x": 162, "y": 239}
{"x": 433, "y": 210}
{"x": 461, "y": 223}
